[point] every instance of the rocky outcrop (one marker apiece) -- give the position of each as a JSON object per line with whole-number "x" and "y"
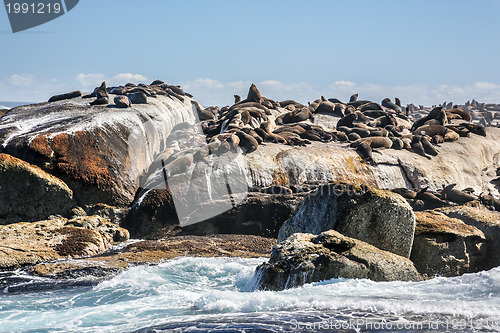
{"x": 306, "y": 258}
{"x": 380, "y": 218}
{"x": 445, "y": 246}
{"x": 488, "y": 222}
{"x": 98, "y": 151}
{"x": 29, "y": 243}
{"x": 27, "y": 193}
{"x": 152, "y": 252}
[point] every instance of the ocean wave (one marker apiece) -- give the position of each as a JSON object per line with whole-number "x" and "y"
{"x": 210, "y": 292}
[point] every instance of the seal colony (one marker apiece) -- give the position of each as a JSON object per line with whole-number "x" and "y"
{"x": 364, "y": 126}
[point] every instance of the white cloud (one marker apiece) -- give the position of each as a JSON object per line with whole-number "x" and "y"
{"x": 209, "y": 83}
{"x": 124, "y": 78}
{"x": 22, "y": 80}
{"x": 91, "y": 80}
{"x": 345, "y": 83}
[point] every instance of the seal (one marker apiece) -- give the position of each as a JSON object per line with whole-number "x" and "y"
{"x": 386, "y": 102}
{"x": 247, "y": 142}
{"x": 329, "y": 108}
{"x": 294, "y": 116}
{"x": 156, "y": 82}
{"x": 253, "y": 95}
{"x": 101, "y": 95}
{"x": 353, "y": 136}
{"x": 398, "y": 102}
{"x": 417, "y": 146}
{"x": 397, "y": 144}
{"x": 179, "y": 165}
{"x": 370, "y": 106}
{"x": 138, "y": 98}
{"x": 354, "y": 98}
{"x": 122, "y": 101}
{"x": 62, "y": 97}
{"x": 364, "y": 151}
{"x": 430, "y": 130}
{"x": 490, "y": 201}
{"x": 374, "y": 142}
{"x": 430, "y": 200}
{"x": 428, "y": 147}
{"x": 474, "y": 128}
{"x": 460, "y": 112}
{"x": 437, "y": 114}
{"x": 451, "y": 194}
{"x": 237, "y": 99}
{"x": 405, "y": 192}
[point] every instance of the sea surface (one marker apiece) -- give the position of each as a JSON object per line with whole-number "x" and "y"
{"x": 218, "y": 295}
{"x": 10, "y": 105}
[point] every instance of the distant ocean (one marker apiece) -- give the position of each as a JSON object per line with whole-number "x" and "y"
{"x": 10, "y": 105}
{"x": 218, "y": 295}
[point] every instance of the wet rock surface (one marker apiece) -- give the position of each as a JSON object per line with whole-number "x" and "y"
{"x": 445, "y": 246}
{"x": 27, "y": 193}
{"x": 381, "y": 218}
{"x": 306, "y": 258}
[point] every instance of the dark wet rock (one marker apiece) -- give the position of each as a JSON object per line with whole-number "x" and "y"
{"x": 258, "y": 214}
{"x": 152, "y": 217}
{"x": 306, "y": 258}
{"x": 445, "y": 246}
{"x": 381, "y": 218}
{"x": 27, "y": 193}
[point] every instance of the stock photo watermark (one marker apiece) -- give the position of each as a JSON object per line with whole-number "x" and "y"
{"x": 361, "y": 324}
{"x": 27, "y": 14}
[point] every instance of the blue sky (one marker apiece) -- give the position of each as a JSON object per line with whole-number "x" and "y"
{"x": 425, "y": 52}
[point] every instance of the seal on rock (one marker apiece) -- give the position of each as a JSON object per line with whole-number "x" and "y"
{"x": 247, "y": 142}
{"x": 62, "y": 97}
{"x": 122, "y": 101}
{"x": 138, "y": 98}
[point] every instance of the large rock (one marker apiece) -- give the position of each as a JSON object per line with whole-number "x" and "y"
{"x": 485, "y": 220}
{"x": 29, "y": 243}
{"x": 378, "y": 217}
{"x": 305, "y": 258}
{"x": 445, "y": 246}
{"x": 27, "y": 193}
{"x": 99, "y": 152}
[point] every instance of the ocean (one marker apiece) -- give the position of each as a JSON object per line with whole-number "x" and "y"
{"x": 218, "y": 295}
{"x": 10, "y": 105}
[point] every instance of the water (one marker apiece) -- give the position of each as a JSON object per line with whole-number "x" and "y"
{"x": 216, "y": 294}
{"x": 10, "y": 105}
